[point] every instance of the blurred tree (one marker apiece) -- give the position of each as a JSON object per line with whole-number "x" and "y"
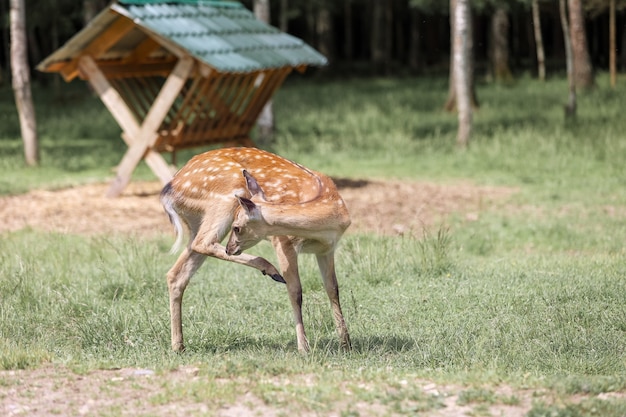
{"x": 612, "y": 44}
{"x": 324, "y": 31}
{"x": 597, "y": 7}
{"x": 570, "y": 107}
{"x": 462, "y": 40}
{"x": 381, "y": 37}
{"x": 265, "y": 122}
{"x": 582, "y": 68}
{"x": 91, "y": 8}
{"x": 5, "y": 40}
{"x": 421, "y": 11}
{"x": 377, "y": 36}
{"x": 21, "y": 82}
{"x": 347, "y": 30}
{"x": 283, "y": 16}
{"x": 499, "y": 45}
{"x": 541, "y": 57}
{"x": 468, "y": 61}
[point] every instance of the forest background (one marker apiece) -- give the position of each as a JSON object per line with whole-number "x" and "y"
{"x": 378, "y": 37}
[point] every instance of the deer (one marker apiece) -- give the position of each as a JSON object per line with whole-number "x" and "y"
{"x": 253, "y": 195}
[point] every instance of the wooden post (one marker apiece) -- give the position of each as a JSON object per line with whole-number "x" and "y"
{"x": 133, "y": 134}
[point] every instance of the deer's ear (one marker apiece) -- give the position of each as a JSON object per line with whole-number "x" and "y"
{"x": 248, "y": 205}
{"x": 252, "y": 185}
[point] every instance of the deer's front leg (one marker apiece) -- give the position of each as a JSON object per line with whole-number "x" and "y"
{"x": 218, "y": 251}
{"x": 177, "y": 279}
{"x": 288, "y": 261}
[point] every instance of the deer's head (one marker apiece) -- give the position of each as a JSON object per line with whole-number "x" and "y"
{"x": 249, "y": 227}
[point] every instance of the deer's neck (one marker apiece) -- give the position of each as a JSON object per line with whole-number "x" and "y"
{"x": 319, "y": 218}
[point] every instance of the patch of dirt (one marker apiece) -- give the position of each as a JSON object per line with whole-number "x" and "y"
{"x": 57, "y": 391}
{"x": 51, "y": 391}
{"x": 383, "y": 207}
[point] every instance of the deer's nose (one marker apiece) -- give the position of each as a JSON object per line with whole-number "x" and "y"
{"x": 232, "y": 251}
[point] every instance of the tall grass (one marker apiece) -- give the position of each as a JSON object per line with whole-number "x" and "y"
{"x": 103, "y": 302}
{"x": 397, "y": 128}
{"x": 530, "y": 292}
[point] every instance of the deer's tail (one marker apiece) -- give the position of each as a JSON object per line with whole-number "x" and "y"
{"x": 167, "y": 200}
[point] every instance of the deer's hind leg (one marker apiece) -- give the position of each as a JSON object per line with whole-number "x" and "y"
{"x": 326, "y": 263}
{"x": 177, "y": 279}
{"x": 288, "y": 261}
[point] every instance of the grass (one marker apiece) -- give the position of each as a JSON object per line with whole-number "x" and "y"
{"x": 530, "y": 294}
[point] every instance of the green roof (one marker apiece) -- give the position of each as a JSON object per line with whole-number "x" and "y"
{"x": 223, "y": 34}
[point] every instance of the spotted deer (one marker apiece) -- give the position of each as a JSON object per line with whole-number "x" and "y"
{"x": 254, "y": 195}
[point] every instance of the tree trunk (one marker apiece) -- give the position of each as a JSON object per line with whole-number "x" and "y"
{"x": 309, "y": 18}
{"x": 90, "y": 9}
{"x": 541, "y": 57}
{"x": 347, "y": 30}
{"x": 462, "y": 69}
{"x": 583, "y": 71}
{"x": 415, "y": 63}
{"x": 283, "y": 18}
{"x": 451, "y": 101}
{"x": 265, "y": 122}
{"x": 21, "y": 82}
{"x": 387, "y": 33}
{"x": 5, "y": 40}
{"x": 623, "y": 51}
{"x": 376, "y": 40}
{"x": 324, "y": 33}
{"x": 500, "y": 46}
{"x": 570, "y": 107}
{"x": 612, "y": 44}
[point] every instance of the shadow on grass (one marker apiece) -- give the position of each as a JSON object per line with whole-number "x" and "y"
{"x": 350, "y": 183}
{"x": 236, "y": 342}
{"x": 382, "y": 344}
{"x": 360, "y": 346}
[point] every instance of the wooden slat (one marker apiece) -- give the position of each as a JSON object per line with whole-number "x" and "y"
{"x": 233, "y": 92}
{"x": 247, "y": 117}
{"x": 265, "y": 92}
{"x": 109, "y": 96}
{"x": 246, "y": 92}
{"x": 201, "y": 108}
{"x": 151, "y": 86}
{"x": 214, "y": 104}
{"x": 130, "y": 92}
{"x": 116, "y": 31}
{"x": 148, "y": 134}
{"x": 267, "y": 95}
{"x": 118, "y": 69}
{"x": 180, "y": 120}
{"x": 118, "y": 86}
{"x": 236, "y": 125}
{"x": 142, "y": 51}
{"x": 122, "y": 114}
{"x": 155, "y": 162}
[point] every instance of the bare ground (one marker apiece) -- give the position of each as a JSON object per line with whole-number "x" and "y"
{"x": 390, "y": 207}
{"x": 384, "y": 207}
{"x": 53, "y": 391}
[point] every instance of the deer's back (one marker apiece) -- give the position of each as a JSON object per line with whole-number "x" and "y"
{"x": 217, "y": 176}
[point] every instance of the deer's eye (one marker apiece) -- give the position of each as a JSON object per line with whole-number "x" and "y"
{"x": 236, "y": 229}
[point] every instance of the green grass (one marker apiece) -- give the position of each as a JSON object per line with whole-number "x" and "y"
{"x": 530, "y": 294}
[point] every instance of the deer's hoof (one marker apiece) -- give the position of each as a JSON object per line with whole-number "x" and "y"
{"x": 278, "y": 278}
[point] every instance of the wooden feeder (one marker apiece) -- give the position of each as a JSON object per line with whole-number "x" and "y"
{"x": 179, "y": 74}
